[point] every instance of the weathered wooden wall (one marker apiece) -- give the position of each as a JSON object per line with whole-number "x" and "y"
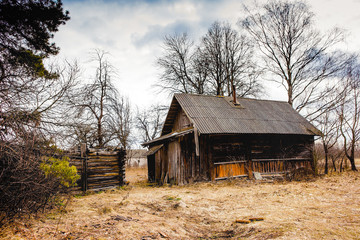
{"x": 99, "y": 169}
{"x": 177, "y": 163}
{"x": 240, "y": 155}
{"x": 223, "y": 156}
{"x": 181, "y": 121}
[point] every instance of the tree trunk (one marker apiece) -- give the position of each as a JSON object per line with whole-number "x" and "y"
{"x": 99, "y": 135}
{"x": 326, "y": 163}
{"x": 352, "y": 162}
{"x": 326, "y": 157}
{"x": 290, "y": 95}
{"x": 341, "y": 164}
{"x": 351, "y": 156}
{"x": 333, "y": 162}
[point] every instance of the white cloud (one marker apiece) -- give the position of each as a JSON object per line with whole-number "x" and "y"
{"x": 132, "y": 32}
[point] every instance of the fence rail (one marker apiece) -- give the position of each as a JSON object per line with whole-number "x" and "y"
{"x": 281, "y": 159}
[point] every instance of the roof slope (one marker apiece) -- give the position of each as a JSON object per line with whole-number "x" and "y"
{"x": 218, "y": 115}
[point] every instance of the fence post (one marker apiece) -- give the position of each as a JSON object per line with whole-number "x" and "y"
{"x": 84, "y": 167}
{"x": 83, "y": 149}
{"x": 121, "y": 162}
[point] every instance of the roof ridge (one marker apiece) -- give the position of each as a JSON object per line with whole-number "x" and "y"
{"x": 264, "y": 120}
{"x": 220, "y": 96}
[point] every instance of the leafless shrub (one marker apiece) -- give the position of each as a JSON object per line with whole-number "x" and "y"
{"x": 24, "y": 188}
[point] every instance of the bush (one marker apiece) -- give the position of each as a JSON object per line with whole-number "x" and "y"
{"x": 60, "y": 169}
{"x": 27, "y": 182}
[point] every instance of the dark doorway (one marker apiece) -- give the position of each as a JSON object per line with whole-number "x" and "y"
{"x": 151, "y": 167}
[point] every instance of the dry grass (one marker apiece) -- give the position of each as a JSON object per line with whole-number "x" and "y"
{"x": 325, "y": 208}
{"x": 134, "y": 175}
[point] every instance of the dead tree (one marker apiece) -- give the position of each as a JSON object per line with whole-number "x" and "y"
{"x": 149, "y": 121}
{"x": 294, "y": 52}
{"x": 121, "y": 122}
{"x": 328, "y": 125}
{"x": 218, "y": 64}
{"x": 99, "y": 107}
{"x": 229, "y": 61}
{"x": 179, "y": 63}
{"x": 349, "y": 113}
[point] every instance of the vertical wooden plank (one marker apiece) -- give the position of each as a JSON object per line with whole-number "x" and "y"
{"x": 83, "y": 150}
{"x": 196, "y": 139}
{"x": 85, "y": 174}
{"x": 193, "y": 161}
{"x": 249, "y": 158}
{"x": 182, "y": 167}
{"x": 179, "y": 165}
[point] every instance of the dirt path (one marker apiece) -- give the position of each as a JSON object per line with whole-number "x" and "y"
{"x": 327, "y": 208}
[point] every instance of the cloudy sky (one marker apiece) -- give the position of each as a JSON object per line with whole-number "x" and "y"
{"x": 132, "y": 32}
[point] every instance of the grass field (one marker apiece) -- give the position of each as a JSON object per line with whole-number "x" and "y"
{"x": 323, "y": 208}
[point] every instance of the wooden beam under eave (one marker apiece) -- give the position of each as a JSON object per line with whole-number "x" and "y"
{"x": 196, "y": 138}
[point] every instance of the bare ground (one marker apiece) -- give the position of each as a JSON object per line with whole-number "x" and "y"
{"x": 324, "y": 208}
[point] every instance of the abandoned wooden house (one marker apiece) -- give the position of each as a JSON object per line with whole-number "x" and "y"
{"x": 211, "y": 137}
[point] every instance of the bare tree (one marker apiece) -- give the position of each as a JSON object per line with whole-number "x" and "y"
{"x": 181, "y": 65}
{"x": 336, "y": 154}
{"x": 349, "y": 113}
{"x": 102, "y": 118}
{"x": 229, "y": 62}
{"x": 329, "y": 126}
{"x": 220, "y": 63}
{"x": 149, "y": 121}
{"x": 120, "y": 122}
{"x": 94, "y": 100}
{"x": 31, "y": 95}
{"x": 298, "y": 55}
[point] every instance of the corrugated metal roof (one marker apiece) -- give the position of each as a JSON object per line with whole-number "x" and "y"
{"x": 217, "y": 115}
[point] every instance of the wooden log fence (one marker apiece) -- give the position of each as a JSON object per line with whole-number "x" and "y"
{"x": 99, "y": 169}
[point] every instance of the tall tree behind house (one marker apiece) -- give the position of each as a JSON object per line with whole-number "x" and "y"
{"x": 299, "y": 57}
{"x": 221, "y": 59}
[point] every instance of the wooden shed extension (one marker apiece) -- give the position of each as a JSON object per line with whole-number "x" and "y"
{"x": 209, "y": 138}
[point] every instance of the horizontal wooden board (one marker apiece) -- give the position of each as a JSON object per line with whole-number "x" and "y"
{"x": 102, "y": 154}
{"x": 230, "y": 170}
{"x": 281, "y": 159}
{"x": 223, "y": 163}
{"x": 102, "y": 179}
{"x": 115, "y": 182}
{"x": 103, "y": 162}
{"x": 102, "y": 173}
{"x": 102, "y": 165}
{"x": 103, "y": 186}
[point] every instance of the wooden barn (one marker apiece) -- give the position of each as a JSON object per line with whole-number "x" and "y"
{"x": 211, "y": 137}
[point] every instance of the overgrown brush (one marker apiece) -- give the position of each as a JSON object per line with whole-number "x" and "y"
{"x": 29, "y": 181}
